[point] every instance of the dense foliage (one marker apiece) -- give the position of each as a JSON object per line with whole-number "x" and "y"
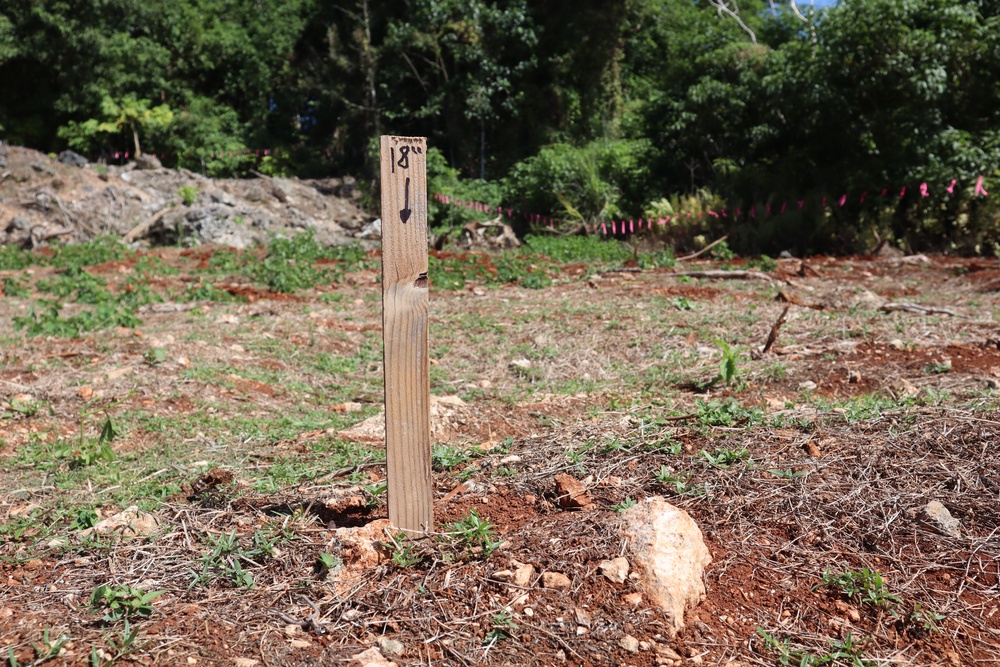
{"x": 582, "y": 110}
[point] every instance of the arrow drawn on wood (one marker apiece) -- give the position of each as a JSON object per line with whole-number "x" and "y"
{"x": 405, "y": 213}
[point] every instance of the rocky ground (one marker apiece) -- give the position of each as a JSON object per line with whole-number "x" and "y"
{"x": 43, "y": 200}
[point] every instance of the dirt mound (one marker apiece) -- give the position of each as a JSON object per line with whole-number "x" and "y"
{"x": 43, "y": 199}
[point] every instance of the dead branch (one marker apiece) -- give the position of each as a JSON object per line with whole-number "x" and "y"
{"x": 917, "y": 309}
{"x": 143, "y": 228}
{"x": 796, "y": 301}
{"x": 703, "y": 250}
{"x": 726, "y": 275}
{"x": 772, "y": 337}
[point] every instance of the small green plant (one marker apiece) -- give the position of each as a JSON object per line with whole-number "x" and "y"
{"x": 624, "y": 505}
{"x": 786, "y": 474}
{"x": 503, "y": 627}
{"x": 724, "y": 413}
{"x": 15, "y": 288}
{"x": 373, "y": 492}
{"x": 324, "y": 563}
{"x": 444, "y": 458}
{"x": 842, "y": 652}
{"x": 122, "y": 602}
{"x": 927, "y": 619}
{"x": 576, "y": 456}
{"x": 89, "y": 451}
{"x": 727, "y": 367}
{"x": 121, "y": 646}
{"x": 864, "y": 586}
{"x": 405, "y": 554}
{"x": 155, "y": 355}
{"x": 27, "y": 408}
{"x": 723, "y": 457}
{"x": 679, "y": 482}
{"x": 47, "y": 650}
{"x": 473, "y": 533}
{"x": 682, "y": 303}
{"x": 723, "y": 252}
{"x": 85, "y": 518}
{"x": 938, "y": 367}
{"x": 763, "y": 263}
{"x": 228, "y": 556}
{"x": 189, "y": 194}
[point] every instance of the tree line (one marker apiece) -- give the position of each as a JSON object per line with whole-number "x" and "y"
{"x": 581, "y": 110}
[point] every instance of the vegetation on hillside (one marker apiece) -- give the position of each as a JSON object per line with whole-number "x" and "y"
{"x": 579, "y": 110}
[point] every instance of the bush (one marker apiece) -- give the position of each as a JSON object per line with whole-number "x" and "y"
{"x": 592, "y": 183}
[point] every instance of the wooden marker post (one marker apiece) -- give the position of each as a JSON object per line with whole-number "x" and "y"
{"x": 404, "y": 333}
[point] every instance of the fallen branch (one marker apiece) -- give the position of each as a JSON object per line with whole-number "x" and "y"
{"x": 726, "y": 275}
{"x": 796, "y": 301}
{"x": 916, "y": 309}
{"x": 703, "y": 250}
{"x": 143, "y": 228}
{"x": 772, "y": 337}
{"x": 62, "y": 209}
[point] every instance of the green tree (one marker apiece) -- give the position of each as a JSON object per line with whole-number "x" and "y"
{"x": 130, "y": 114}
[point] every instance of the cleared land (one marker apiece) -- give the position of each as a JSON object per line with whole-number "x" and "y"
{"x": 231, "y": 395}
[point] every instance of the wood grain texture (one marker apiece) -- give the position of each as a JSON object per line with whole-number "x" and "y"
{"x": 404, "y": 333}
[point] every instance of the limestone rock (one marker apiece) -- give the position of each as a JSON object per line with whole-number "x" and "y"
{"x": 72, "y": 158}
{"x": 555, "y": 581}
{"x": 130, "y": 522}
{"x": 615, "y": 570}
{"x": 391, "y": 647}
{"x": 669, "y": 554}
{"x": 147, "y": 161}
{"x": 370, "y": 658}
{"x": 846, "y": 298}
{"x": 523, "y": 574}
{"x": 939, "y": 515}
{"x": 629, "y": 643}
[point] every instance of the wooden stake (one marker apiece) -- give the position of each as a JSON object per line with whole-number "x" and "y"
{"x": 404, "y": 333}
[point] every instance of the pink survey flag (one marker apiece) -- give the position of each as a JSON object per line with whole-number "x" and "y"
{"x": 980, "y": 190}
{"x": 604, "y": 228}
{"x": 842, "y": 200}
{"x": 923, "y": 190}
{"x": 951, "y": 186}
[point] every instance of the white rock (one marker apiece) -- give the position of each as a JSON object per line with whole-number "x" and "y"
{"x": 615, "y": 570}
{"x": 130, "y": 522}
{"x": 629, "y": 643}
{"x": 942, "y": 518}
{"x": 669, "y": 554}
{"x": 390, "y": 647}
{"x": 370, "y": 658}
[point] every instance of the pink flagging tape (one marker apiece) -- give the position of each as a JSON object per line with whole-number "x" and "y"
{"x": 979, "y": 188}
{"x": 925, "y": 189}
